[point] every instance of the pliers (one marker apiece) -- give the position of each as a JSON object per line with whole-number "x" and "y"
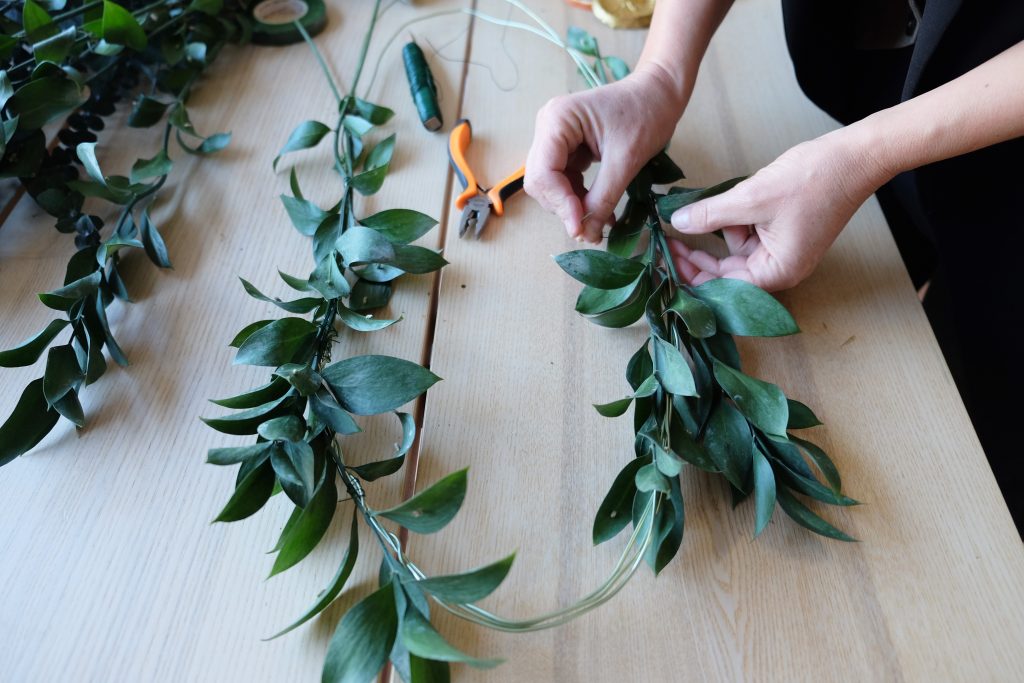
{"x": 477, "y": 202}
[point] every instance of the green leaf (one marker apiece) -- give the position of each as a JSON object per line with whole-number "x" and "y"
{"x": 648, "y": 478}
{"x": 764, "y": 492}
{"x": 423, "y": 640}
{"x": 417, "y": 260}
{"x": 578, "y": 39}
{"x": 728, "y": 441}
{"x": 28, "y": 351}
{"x": 668, "y": 530}
{"x": 63, "y": 373}
{"x": 678, "y": 197}
{"x": 592, "y": 300}
{"x": 356, "y": 125}
{"x": 662, "y": 170}
{"x": 274, "y": 389}
{"x": 615, "y": 408}
{"x": 306, "y": 135}
{"x": 400, "y": 226}
{"x": 327, "y": 409}
{"x": 235, "y": 455}
{"x": 114, "y": 245}
{"x": 285, "y": 428}
{"x": 423, "y": 670}
{"x": 277, "y": 343}
{"x": 301, "y": 376}
{"x": 368, "y": 296}
{"x": 209, "y": 7}
{"x": 43, "y": 100}
{"x": 618, "y": 68}
{"x": 63, "y": 298}
{"x": 337, "y": 583}
{"x": 293, "y": 464}
{"x": 121, "y": 28}
{"x": 672, "y": 369}
{"x": 251, "y": 494}
{"x": 300, "y": 537}
{"x": 329, "y": 280}
{"x": 6, "y": 90}
{"x": 86, "y": 152}
{"x": 37, "y": 23}
{"x": 431, "y": 509}
{"x": 763, "y": 403}
{"x": 368, "y": 385}
{"x": 823, "y": 462}
{"x": 374, "y": 113}
{"x": 470, "y": 586}
{"x": 56, "y": 47}
{"x": 361, "y": 645}
{"x": 614, "y": 513}
{"x": 800, "y": 416}
{"x": 303, "y": 305}
{"x": 304, "y": 214}
{"x": 803, "y": 516}
{"x": 599, "y": 268}
{"x": 153, "y": 242}
{"x": 695, "y": 314}
{"x": 70, "y": 408}
{"x": 144, "y": 169}
{"x": 31, "y": 420}
{"x": 247, "y": 421}
{"x": 247, "y": 332}
{"x": 146, "y": 111}
{"x": 372, "y": 471}
{"x": 745, "y": 309}
{"x": 362, "y": 323}
{"x": 667, "y": 462}
{"x": 377, "y": 164}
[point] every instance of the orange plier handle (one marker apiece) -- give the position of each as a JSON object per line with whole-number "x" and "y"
{"x": 458, "y": 143}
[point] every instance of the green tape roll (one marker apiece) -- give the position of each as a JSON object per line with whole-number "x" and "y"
{"x": 422, "y": 87}
{"x": 273, "y": 20}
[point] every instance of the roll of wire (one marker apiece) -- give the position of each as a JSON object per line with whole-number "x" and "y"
{"x": 422, "y": 86}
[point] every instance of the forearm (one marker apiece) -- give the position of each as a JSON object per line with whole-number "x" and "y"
{"x": 679, "y": 37}
{"x": 983, "y": 107}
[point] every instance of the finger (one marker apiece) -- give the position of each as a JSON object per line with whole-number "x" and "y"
{"x": 741, "y": 239}
{"x": 546, "y": 164}
{"x": 714, "y": 213}
{"x": 705, "y": 262}
{"x": 599, "y": 203}
{"x": 680, "y": 254}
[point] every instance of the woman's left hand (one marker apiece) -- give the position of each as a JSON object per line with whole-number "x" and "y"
{"x": 779, "y": 223}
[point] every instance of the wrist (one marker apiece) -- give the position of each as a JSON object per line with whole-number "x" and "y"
{"x": 671, "y": 85}
{"x": 865, "y": 152}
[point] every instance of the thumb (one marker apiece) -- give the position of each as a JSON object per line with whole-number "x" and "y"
{"x": 713, "y": 213}
{"x": 599, "y": 202}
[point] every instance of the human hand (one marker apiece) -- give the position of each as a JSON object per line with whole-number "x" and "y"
{"x": 779, "y": 223}
{"x": 622, "y": 125}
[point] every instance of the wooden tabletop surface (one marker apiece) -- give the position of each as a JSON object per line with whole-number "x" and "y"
{"x": 111, "y": 571}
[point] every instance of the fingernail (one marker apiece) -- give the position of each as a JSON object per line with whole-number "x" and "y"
{"x": 681, "y": 219}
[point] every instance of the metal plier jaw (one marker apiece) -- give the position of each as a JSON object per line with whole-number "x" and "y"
{"x": 476, "y": 202}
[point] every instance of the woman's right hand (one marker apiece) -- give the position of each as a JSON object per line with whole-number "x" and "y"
{"x": 622, "y": 125}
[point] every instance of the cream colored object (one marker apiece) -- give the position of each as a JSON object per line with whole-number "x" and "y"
{"x": 624, "y": 13}
{"x": 111, "y": 570}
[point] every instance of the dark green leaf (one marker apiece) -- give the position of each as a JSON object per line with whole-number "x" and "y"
{"x": 337, "y": 583}
{"x": 233, "y": 456}
{"x": 144, "y": 169}
{"x": 668, "y": 529}
{"x": 329, "y": 280}
{"x": 56, "y": 47}
{"x": 423, "y": 641}
{"x": 823, "y": 462}
{"x": 695, "y": 314}
{"x": 361, "y": 645}
{"x": 210, "y": 7}
{"x": 400, "y": 226}
{"x": 304, "y": 214}
{"x": 417, "y": 260}
{"x": 470, "y": 586}
{"x": 764, "y": 492}
{"x": 70, "y": 408}
{"x": 728, "y": 441}
{"x": 678, "y": 197}
{"x": 803, "y": 516}
{"x": 146, "y": 112}
{"x": 368, "y": 385}
{"x": 745, "y": 309}
{"x": 431, "y": 509}
{"x": 31, "y": 420}
{"x": 362, "y": 323}
{"x": 800, "y": 416}
{"x": 377, "y": 164}
{"x": 372, "y": 471}
{"x": 114, "y": 245}
{"x": 599, "y": 268}
{"x": 121, "y": 28}
{"x": 37, "y": 23}
{"x": 251, "y": 494}
{"x": 247, "y": 331}
{"x": 763, "y": 403}
{"x": 62, "y": 299}
{"x": 63, "y": 373}
{"x": 247, "y": 421}
{"x": 286, "y": 428}
{"x": 672, "y": 369}
{"x": 428, "y": 671}
{"x": 305, "y": 380}
{"x": 293, "y": 464}
{"x": 327, "y": 409}
{"x": 277, "y": 343}
{"x": 296, "y": 283}
{"x": 615, "y": 408}
{"x": 374, "y": 113}
{"x": 300, "y": 537}
{"x": 28, "y": 351}
{"x": 614, "y": 513}
{"x": 648, "y": 478}
{"x": 592, "y": 300}
{"x": 307, "y": 134}
{"x": 667, "y": 462}
{"x": 303, "y": 305}
{"x": 368, "y": 296}
{"x": 43, "y": 100}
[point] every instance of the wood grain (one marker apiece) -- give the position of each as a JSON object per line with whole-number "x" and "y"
{"x": 111, "y": 571}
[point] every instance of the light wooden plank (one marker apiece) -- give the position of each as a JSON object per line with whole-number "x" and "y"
{"x": 109, "y": 565}
{"x": 929, "y": 593}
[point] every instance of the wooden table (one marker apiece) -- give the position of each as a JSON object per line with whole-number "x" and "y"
{"x": 109, "y": 566}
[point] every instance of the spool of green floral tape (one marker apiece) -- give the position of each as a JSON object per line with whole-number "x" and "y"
{"x": 274, "y": 20}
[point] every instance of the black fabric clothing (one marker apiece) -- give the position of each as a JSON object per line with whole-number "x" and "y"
{"x": 959, "y": 222}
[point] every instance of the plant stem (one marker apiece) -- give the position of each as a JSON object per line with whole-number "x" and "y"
{"x": 366, "y": 45}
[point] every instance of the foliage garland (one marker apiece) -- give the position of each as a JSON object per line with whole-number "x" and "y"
{"x": 81, "y": 61}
